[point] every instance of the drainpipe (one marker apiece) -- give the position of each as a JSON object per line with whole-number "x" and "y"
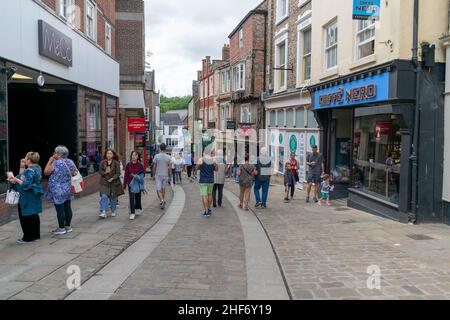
{"x": 416, "y": 130}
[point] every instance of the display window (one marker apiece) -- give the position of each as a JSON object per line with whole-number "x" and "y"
{"x": 377, "y": 154}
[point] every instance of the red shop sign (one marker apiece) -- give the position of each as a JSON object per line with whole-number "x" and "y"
{"x": 382, "y": 129}
{"x": 137, "y": 125}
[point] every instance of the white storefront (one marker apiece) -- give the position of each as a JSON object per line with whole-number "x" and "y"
{"x": 291, "y": 127}
{"x": 19, "y": 43}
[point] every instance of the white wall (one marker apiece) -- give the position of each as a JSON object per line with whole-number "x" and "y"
{"x": 19, "y": 43}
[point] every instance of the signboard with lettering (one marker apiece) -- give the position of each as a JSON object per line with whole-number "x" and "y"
{"x": 366, "y": 9}
{"x": 363, "y": 91}
{"x": 137, "y": 125}
{"x": 231, "y": 125}
{"x": 54, "y": 45}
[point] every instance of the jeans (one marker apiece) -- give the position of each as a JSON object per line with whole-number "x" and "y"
{"x": 135, "y": 202}
{"x": 265, "y": 191}
{"x": 189, "y": 171}
{"x": 64, "y": 212}
{"x": 174, "y": 176}
{"x": 107, "y": 201}
{"x": 218, "y": 188}
{"x": 178, "y": 175}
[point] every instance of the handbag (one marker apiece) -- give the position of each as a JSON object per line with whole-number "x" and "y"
{"x": 12, "y": 197}
{"x": 76, "y": 180}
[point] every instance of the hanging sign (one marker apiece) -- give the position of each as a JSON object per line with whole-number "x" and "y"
{"x": 366, "y": 9}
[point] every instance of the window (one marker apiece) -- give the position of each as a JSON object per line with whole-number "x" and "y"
{"x": 282, "y": 9}
{"x": 201, "y": 89}
{"x": 108, "y": 36}
{"x": 66, "y": 9}
{"x": 273, "y": 118}
{"x": 239, "y": 77}
{"x": 173, "y": 130}
{"x": 95, "y": 116}
{"x": 225, "y": 81}
{"x": 331, "y": 45}
{"x": 306, "y": 55}
{"x": 300, "y": 117}
{"x": 171, "y": 142}
{"x": 211, "y": 86}
{"x": 290, "y": 118}
{"x": 280, "y": 118}
{"x": 91, "y": 20}
{"x": 365, "y": 38}
{"x": 312, "y": 122}
{"x": 223, "y": 116}
{"x": 211, "y": 115}
{"x": 246, "y": 115}
{"x": 280, "y": 65}
{"x": 241, "y": 38}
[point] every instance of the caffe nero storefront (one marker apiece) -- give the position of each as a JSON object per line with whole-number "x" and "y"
{"x": 367, "y": 121}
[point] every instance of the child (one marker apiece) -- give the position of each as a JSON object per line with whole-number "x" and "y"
{"x": 326, "y": 187}
{"x": 289, "y": 181}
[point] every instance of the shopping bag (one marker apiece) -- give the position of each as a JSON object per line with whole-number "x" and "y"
{"x": 12, "y": 197}
{"x": 77, "y": 183}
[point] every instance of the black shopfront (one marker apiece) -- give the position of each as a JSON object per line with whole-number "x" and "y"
{"x": 367, "y": 123}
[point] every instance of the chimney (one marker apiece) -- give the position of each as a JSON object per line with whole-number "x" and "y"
{"x": 226, "y": 52}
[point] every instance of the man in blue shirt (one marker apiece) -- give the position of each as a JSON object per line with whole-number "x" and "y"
{"x": 188, "y": 164}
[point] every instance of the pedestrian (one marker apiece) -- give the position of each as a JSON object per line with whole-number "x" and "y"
{"x": 179, "y": 164}
{"x": 29, "y": 186}
{"x": 83, "y": 164}
{"x": 316, "y": 168}
{"x": 246, "y": 174}
{"x": 207, "y": 166}
{"x": 219, "y": 179}
{"x": 173, "y": 160}
{"x": 134, "y": 181}
{"x": 163, "y": 173}
{"x": 110, "y": 187}
{"x": 326, "y": 188}
{"x": 188, "y": 163}
{"x": 289, "y": 181}
{"x": 61, "y": 170}
{"x": 294, "y": 169}
{"x": 262, "y": 180}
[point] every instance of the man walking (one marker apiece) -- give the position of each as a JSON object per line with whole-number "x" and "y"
{"x": 207, "y": 166}
{"x": 162, "y": 167}
{"x": 83, "y": 162}
{"x": 262, "y": 180}
{"x": 188, "y": 162}
{"x": 316, "y": 168}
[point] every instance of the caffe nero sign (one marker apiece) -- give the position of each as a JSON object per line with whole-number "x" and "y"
{"x": 55, "y": 45}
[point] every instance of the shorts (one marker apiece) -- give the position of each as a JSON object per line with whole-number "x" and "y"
{"x": 313, "y": 178}
{"x": 325, "y": 195}
{"x": 206, "y": 189}
{"x": 161, "y": 182}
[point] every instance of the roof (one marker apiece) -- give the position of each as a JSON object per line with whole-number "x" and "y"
{"x": 183, "y": 113}
{"x": 257, "y": 10}
{"x": 171, "y": 119}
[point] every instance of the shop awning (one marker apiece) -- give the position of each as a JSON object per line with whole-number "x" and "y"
{"x": 132, "y": 99}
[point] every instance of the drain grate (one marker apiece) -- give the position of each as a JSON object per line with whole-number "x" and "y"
{"x": 419, "y": 237}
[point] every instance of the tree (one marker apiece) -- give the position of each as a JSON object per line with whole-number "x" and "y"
{"x": 174, "y": 103}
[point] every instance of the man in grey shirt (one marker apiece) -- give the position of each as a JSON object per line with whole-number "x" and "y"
{"x": 316, "y": 169}
{"x": 162, "y": 166}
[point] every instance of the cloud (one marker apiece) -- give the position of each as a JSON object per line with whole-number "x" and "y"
{"x": 180, "y": 33}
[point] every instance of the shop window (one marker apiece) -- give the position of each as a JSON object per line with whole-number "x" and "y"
{"x": 246, "y": 115}
{"x": 377, "y": 154}
{"x": 290, "y": 118}
{"x": 365, "y": 38}
{"x": 300, "y": 118}
{"x": 312, "y": 122}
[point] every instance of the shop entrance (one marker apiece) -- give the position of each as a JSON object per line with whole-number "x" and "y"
{"x": 41, "y": 119}
{"x": 340, "y": 146}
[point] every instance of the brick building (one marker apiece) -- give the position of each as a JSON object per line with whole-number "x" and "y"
{"x": 130, "y": 48}
{"x": 206, "y": 88}
{"x": 247, "y": 66}
{"x": 61, "y": 60}
{"x": 290, "y": 120}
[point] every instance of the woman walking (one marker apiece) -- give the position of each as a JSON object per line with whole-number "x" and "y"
{"x": 61, "y": 170}
{"x": 29, "y": 185}
{"x": 246, "y": 173}
{"x": 134, "y": 181}
{"x": 110, "y": 186}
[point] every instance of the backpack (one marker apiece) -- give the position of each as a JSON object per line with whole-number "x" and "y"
{"x": 84, "y": 161}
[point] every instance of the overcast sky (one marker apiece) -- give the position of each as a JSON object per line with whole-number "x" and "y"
{"x": 180, "y": 33}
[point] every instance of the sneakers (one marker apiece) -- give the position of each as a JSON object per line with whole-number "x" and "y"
{"x": 20, "y": 241}
{"x": 103, "y": 215}
{"x": 263, "y": 206}
{"x": 286, "y": 200}
{"x": 113, "y": 214}
{"x": 258, "y": 205}
{"x": 316, "y": 200}
{"x": 138, "y": 212}
{"x": 59, "y": 232}
{"x": 132, "y": 216}
{"x": 162, "y": 204}
{"x": 307, "y": 199}
{"x": 69, "y": 229}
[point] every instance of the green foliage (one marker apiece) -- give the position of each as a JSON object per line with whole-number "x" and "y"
{"x": 174, "y": 103}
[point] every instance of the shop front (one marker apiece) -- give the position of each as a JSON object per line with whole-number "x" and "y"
{"x": 137, "y": 129}
{"x": 366, "y": 120}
